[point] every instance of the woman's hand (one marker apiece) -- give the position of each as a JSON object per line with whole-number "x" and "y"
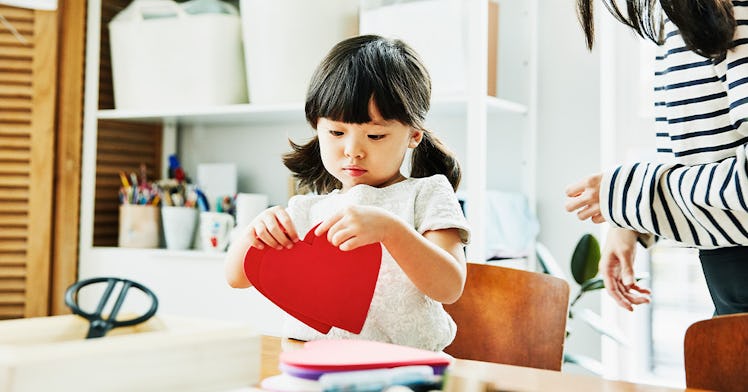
{"x": 617, "y": 269}
{"x": 273, "y": 228}
{"x": 584, "y": 197}
{"x": 356, "y": 226}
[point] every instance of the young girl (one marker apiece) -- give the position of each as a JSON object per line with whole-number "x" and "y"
{"x": 367, "y": 102}
{"x": 700, "y": 197}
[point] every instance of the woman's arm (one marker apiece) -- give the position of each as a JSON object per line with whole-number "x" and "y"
{"x": 701, "y": 205}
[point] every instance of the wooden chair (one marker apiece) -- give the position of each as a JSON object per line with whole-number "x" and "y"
{"x": 510, "y": 316}
{"x": 716, "y": 353}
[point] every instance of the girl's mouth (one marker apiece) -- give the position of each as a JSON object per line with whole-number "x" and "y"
{"x": 354, "y": 171}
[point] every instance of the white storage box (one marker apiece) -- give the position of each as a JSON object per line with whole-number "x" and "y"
{"x": 437, "y": 30}
{"x": 285, "y": 40}
{"x": 163, "y": 354}
{"x": 164, "y": 58}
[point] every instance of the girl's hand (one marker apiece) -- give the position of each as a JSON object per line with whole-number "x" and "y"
{"x": 356, "y": 226}
{"x": 617, "y": 269}
{"x": 273, "y": 228}
{"x": 584, "y": 197}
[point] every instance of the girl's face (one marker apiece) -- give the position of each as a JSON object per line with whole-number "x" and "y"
{"x": 369, "y": 153}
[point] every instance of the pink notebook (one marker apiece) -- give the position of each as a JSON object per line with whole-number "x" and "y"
{"x": 352, "y": 354}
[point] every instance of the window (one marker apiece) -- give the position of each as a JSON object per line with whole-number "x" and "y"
{"x": 679, "y": 298}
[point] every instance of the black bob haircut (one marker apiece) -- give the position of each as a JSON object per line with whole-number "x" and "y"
{"x": 359, "y": 70}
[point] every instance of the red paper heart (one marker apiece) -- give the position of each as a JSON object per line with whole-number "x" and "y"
{"x": 252, "y": 270}
{"x": 317, "y": 283}
{"x": 352, "y": 354}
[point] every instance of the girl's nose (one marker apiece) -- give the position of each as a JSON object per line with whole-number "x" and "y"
{"x": 354, "y": 148}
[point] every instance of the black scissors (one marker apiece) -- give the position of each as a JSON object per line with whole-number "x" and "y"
{"x": 100, "y": 325}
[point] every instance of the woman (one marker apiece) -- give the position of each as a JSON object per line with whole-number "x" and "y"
{"x": 699, "y": 198}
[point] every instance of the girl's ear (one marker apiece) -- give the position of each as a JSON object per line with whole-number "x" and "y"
{"x": 415, "y": 138}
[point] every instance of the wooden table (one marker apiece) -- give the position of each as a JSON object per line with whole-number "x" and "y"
{"x": 483, "y": 376}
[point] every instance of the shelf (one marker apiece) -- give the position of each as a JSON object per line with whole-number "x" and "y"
{"x": 291, "y": 112}
{"x": 456, "y": 104}
{"x": 101, "y": 252}
{"x": 240, "y": 113}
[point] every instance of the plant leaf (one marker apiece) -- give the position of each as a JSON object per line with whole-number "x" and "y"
{"x": 593, "y": 284}
{"x": 585, "y": 258}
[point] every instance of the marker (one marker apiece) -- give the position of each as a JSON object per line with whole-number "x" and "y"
{"x": 123, "y": 179}
{"x": 379, "y": 379}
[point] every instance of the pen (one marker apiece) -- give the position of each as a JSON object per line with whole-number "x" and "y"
{"x": 123, "y": 179}
{"x": 202, "y": 201}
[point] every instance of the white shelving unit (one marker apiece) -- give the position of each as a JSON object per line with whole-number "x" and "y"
{"x": 258, "y": 113}
{"x": 191, "y": 282}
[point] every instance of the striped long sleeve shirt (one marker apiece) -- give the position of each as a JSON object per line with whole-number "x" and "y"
{"x": 700, "y": 198}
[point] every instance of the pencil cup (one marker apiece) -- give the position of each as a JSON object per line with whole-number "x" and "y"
{"x": 215, "y": 230}
{"x": 139, "y": 226}
{"x": 179, "y": 226}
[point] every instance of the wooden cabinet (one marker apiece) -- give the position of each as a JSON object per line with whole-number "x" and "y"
{"x": 253, "y": 136}
{"x": 28, "y": 66}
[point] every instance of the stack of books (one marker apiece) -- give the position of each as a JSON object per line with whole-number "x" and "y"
{"x": 357, "y": 366}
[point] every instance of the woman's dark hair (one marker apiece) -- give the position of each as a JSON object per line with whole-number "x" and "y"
{"x": 707, "y": 26}
{"x": 358, "y": 70}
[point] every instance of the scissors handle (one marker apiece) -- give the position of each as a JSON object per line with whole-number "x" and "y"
{"x": 101, "y": 325}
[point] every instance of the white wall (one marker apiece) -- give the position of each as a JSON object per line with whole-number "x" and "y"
{"x": 568, "y": 141}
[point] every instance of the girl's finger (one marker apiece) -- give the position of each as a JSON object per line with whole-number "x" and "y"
{"x": 350, "y": 244}
{"x": 254, "y": 241}
{"x": 326, "y": 225}
{"x": 276, "y": 231}
{"x": 338, "y": 234}
{"x": 287, "y": 224}
{"x": 268, "y": 239}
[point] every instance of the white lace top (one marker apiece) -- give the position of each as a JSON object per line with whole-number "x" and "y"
{"x": 399, "y": 312}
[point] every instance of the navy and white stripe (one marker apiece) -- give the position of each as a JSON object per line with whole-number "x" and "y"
{"x": 701, "y": 106}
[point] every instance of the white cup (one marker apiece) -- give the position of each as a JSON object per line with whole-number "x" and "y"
{"x": 215, "y": 230}
{"x": 179, "y": 226}
{"x": 248, "y": 206}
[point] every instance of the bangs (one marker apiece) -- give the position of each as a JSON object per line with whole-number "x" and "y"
{"x": 350, "y": 76}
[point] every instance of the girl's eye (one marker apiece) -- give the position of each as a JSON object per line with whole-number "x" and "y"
{"x": 336, "y": 133}
{"x": 376, "y": 137}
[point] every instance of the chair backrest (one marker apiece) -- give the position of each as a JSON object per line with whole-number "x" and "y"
{"x": 510, "y": 316}
{"x": 716, "y": 353}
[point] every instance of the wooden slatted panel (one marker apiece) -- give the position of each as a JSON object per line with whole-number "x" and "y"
{"x": 121, "y": 146}
{"x": 68, "y": 154}
{"x": 27, "y": 103}
{"x": 106, "y": 91}
{"x": 15, "y": 160}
